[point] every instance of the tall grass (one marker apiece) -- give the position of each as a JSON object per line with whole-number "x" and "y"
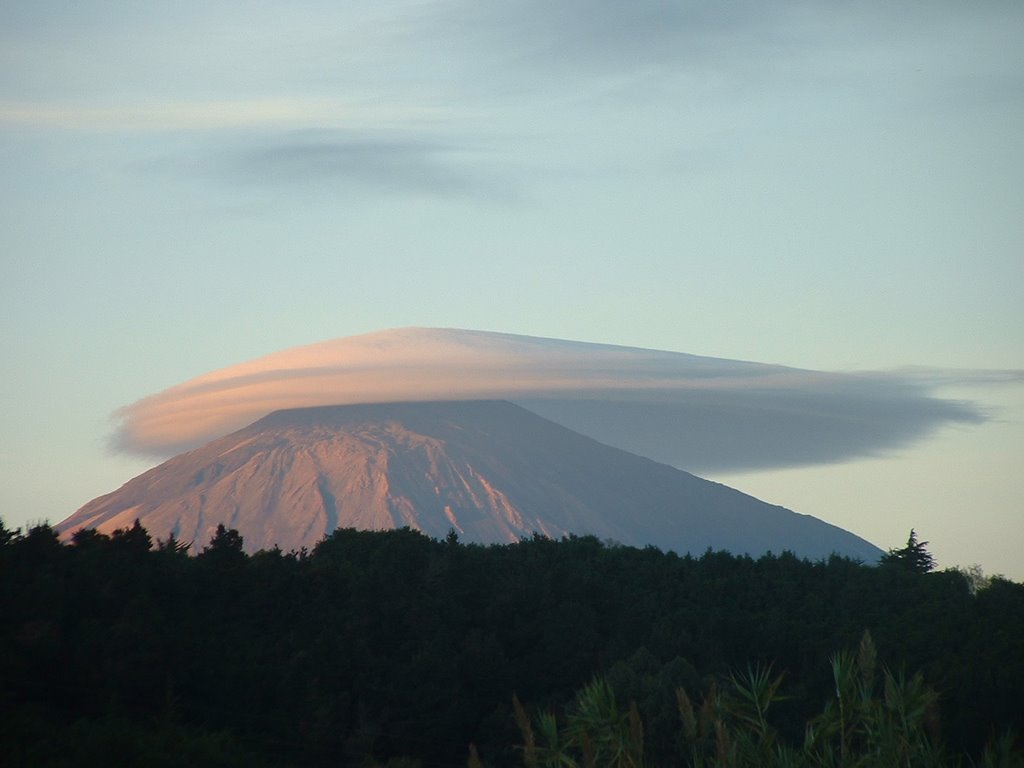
{"x": 877, "y": 718}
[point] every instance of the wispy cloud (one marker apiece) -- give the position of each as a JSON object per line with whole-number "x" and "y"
{"x": 223, "y": 114}
{"x": 418, "y": 165}
{"x": 304, "y": 141}
{"x": 694, "y": 412}
{"x": 962, "y": 376}
{"x": 609, "y": 34}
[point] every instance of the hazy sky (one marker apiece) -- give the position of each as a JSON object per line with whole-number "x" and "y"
{"x": 836, "y": 187}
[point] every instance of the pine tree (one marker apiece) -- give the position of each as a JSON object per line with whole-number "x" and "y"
{"x": 225, "y": 540}
{"x": 913, "y": 557}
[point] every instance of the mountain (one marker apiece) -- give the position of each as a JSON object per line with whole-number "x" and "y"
{"x": 490, "y": 470}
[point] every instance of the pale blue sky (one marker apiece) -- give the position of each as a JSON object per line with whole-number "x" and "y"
{"x": 833, "y": 187}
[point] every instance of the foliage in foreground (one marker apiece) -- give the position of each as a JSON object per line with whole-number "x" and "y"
{"x": 886, "y": 720}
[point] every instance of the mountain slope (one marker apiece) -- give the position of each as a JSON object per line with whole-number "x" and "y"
{"x": 490, "y": 470}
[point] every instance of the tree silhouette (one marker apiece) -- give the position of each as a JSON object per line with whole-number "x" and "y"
{"x": 225, "y": 540}
{"x": 7, "y": 535}
{"x": 134, "y": 539}
{"x": 913, "y": 557}
{"x": 172, "y": 546}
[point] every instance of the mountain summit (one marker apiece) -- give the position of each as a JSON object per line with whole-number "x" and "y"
{"x": 490, "y": 470}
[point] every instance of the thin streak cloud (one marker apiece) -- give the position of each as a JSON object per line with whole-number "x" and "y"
{"x": 418, "y": 165}
{"x": 229, "y": 114}
{"x": 693, "y": 412}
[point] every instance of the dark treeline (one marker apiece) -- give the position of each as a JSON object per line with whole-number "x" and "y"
{"x": 389, "y": 646}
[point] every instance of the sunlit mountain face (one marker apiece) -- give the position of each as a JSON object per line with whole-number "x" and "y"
{"x": 489, "y": 470}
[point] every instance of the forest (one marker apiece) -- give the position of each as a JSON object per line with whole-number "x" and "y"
{"x": 393, "y": 649}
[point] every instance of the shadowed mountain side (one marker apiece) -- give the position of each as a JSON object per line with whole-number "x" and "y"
{"x": 491, "y": 470}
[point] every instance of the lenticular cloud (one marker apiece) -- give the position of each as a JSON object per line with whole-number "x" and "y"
{"x": 693, "y": 412}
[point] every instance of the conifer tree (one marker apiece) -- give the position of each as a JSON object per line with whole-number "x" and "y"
{"x": 913, "y": 557}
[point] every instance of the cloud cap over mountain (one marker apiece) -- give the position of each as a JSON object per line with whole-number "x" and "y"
{"x": 693, "y": 412}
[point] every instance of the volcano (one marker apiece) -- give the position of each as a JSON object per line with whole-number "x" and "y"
{"x": 489, "y": 470}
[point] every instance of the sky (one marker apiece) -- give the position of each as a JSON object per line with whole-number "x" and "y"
{"x": 828, "y": 187}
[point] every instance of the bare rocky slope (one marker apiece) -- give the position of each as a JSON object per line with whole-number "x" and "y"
{"x": 490, "y": 470}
